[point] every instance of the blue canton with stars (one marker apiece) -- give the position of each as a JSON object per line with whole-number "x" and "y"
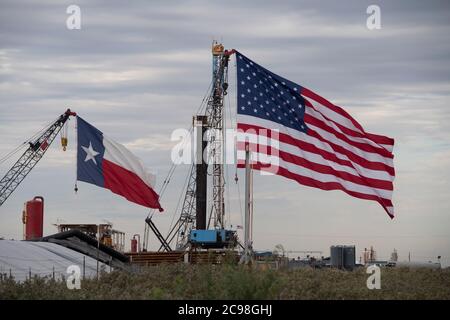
{"x": 90, "y": 153}
{"x": 265, "y": 95}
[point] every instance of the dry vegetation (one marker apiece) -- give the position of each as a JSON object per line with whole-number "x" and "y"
{"x": 236, "y": 282}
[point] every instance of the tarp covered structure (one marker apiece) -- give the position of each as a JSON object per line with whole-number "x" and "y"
{"x": 22, "y": 258}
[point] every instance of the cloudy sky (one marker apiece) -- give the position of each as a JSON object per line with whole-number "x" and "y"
{"x": 138, "y": 70}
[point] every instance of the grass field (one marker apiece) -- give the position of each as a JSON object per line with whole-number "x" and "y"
{"x": 237, "y": 282}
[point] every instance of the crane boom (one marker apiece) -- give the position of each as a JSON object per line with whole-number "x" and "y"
{"x": 31, "y": 157}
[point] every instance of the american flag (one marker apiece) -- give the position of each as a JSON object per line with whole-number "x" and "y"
{"x": 293, "y": 132}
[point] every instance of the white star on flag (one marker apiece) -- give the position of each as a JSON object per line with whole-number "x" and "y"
{"x": 90, "y": 153}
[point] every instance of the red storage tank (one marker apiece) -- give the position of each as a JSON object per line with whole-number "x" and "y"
{"x": 134, "y": 245}
{"x": 33, "y": 218}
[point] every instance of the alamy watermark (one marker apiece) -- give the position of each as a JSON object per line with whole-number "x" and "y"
{"x": 374, "y": 280}
{"x": 74, "y": 279}
{"x": 228, "y": 147}
{"x": 373, "y": 21}
{"x": 73, "y": 22}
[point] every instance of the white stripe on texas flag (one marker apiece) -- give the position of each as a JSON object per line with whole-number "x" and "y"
{"x": 125, "y": 174}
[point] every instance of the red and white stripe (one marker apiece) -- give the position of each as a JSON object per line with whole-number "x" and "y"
{"x": 335, "y": 154}
{"x": 126, "y": 175}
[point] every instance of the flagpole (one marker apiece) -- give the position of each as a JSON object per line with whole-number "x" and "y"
{"x": 248, "y": 252}
{"x": 98, "y": 247}
{"x": 76, "y": 156}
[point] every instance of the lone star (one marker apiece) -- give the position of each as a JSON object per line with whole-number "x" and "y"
{"x": 90, "y": 153}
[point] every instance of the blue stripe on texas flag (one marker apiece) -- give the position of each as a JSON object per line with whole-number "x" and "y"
{"x": 90, "y": 154}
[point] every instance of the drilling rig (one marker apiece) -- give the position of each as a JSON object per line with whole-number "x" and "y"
{"x": 194, "y": 228}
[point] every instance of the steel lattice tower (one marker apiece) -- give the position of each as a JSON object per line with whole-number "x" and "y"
{"x": 215, "y": 114}
{"x": 215, "y": 151}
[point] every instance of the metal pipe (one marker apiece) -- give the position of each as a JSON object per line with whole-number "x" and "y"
{"x": 248, "y": 199}
{"x": 247, "y": 255}
{"x": 200, "y": 125}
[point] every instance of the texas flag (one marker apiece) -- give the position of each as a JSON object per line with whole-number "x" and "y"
{"x": 108, "y": 164}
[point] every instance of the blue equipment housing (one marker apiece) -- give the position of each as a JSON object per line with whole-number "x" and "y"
{"x": 217, "y": 239}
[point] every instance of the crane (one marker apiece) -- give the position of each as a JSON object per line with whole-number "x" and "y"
{"x": 31, "y": 156}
